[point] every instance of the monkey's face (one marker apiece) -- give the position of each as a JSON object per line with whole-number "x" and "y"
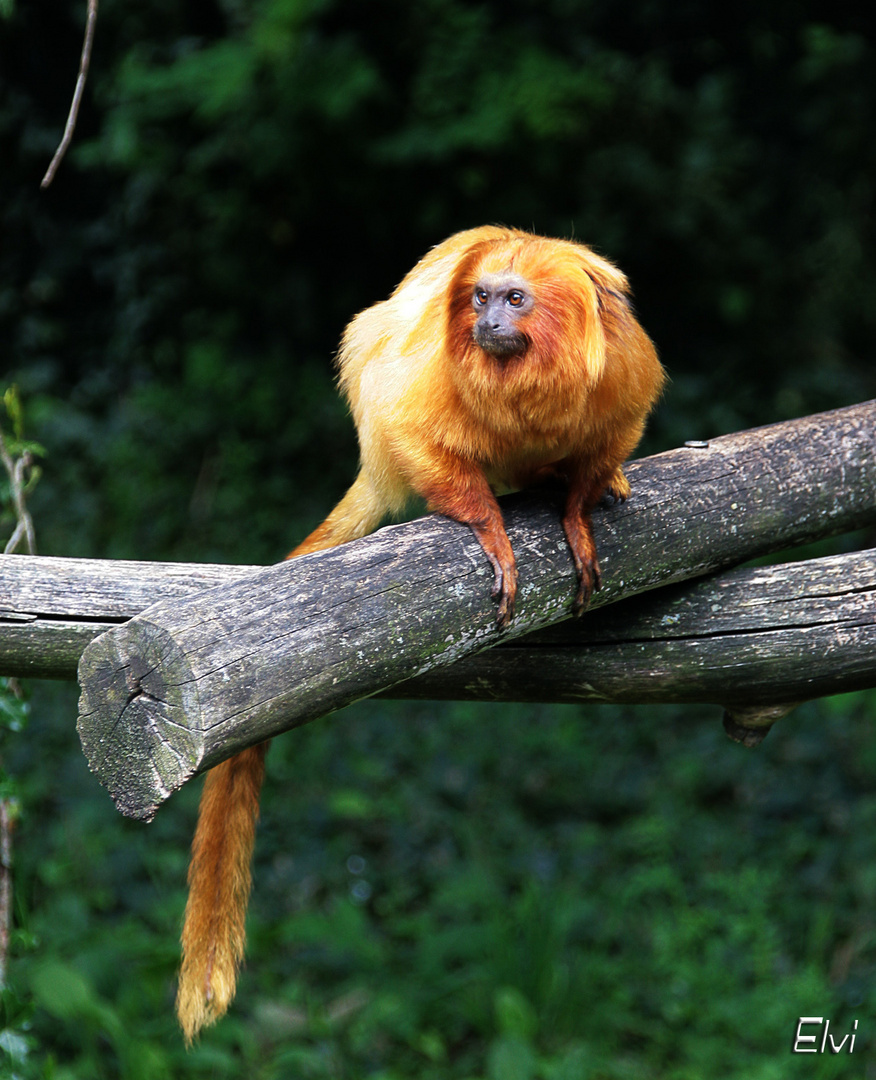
{"x": 501, "y": 302}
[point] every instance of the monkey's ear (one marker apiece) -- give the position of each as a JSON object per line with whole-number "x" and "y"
{"x": 623, "y": 335}
{"x": 615, "y": 312}
{"x": 603, "y": 297}
{"x": 592, "y": 334}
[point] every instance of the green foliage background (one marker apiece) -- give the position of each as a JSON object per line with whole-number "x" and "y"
{"x": 455, "y": 892}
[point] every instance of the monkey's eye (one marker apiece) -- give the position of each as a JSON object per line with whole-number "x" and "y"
{"x": 515, "y": 298}
{"x": 480, "y": 296}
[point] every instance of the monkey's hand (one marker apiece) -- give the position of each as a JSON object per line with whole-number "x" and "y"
{"x": 504, "y": 590}
{"x": 497, "y": 548}
{"x": 462, "y": 493}
{"x": 576, "y": 524}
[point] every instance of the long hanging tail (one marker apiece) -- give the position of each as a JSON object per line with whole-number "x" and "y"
{"x": 214, "y": 932}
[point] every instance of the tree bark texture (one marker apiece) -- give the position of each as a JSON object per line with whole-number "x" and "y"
{"x": 188, "y": 682}
{"x": 744, "y": 638}
{"x": 51, "y": 608}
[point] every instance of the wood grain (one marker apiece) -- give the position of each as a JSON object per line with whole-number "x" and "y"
{"x": 188, "y": 682}
{"x": 757, "y": 636}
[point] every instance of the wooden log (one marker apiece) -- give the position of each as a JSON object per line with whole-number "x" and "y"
{"x": 759, "y": 636}
{"x": 51, "y": 608}
{"x": 613, "y": 656}
{"x": 185, "y": 684}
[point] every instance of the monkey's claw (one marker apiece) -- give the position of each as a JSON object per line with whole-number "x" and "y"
{"x": 505, "y": 591}
{"x": 617, "y": 490}
{"x": 505, "y": 613}
{"x": 589, "y": 580}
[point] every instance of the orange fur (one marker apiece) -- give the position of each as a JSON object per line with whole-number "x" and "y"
{"x": 219, "y": 882}
{"x": 439, "y": 417}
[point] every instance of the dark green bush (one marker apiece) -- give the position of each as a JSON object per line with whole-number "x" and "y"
{"x": 456, "y": 892}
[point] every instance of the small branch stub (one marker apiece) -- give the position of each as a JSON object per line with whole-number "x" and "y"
{"x": 750, "y": 726}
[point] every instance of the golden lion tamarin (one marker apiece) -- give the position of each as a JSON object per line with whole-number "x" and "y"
{"x": 501, "y": 360}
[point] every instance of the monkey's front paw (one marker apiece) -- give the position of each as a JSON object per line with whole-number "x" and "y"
{"x": 617, "y": 492}
{"x": 589, "y": 580}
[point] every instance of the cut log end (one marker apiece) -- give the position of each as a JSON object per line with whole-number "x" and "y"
{"x": 138, "y": 718}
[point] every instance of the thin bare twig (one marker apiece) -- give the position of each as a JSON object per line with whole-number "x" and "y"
{"x": 17, "y": 468}
{"x": 84, "y": 61}
{"x": 6, "y": 826}
{"x": 8, "y": 819}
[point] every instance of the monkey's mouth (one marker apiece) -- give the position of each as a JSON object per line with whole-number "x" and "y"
{"x": 501, "y": 346}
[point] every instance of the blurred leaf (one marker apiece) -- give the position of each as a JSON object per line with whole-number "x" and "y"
{"x": 514, "y": 1014}
{"x": 511, "y": 1058}
{"x": 63, "y": 992}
